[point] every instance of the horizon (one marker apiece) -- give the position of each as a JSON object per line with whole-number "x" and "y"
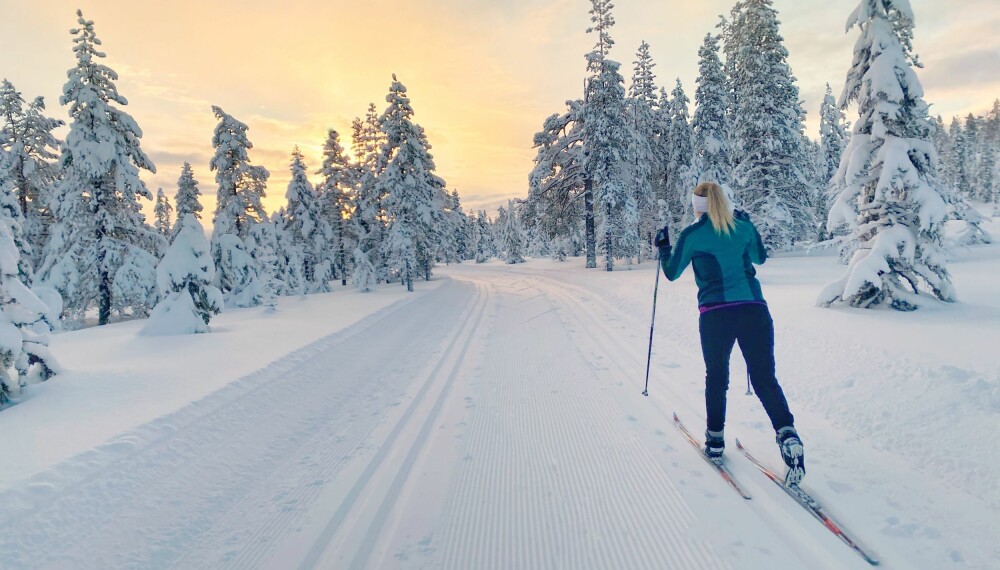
{"x": 483, "y": 151}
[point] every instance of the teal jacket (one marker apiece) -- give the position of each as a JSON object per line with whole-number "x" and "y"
{"x": 723, "y": 265}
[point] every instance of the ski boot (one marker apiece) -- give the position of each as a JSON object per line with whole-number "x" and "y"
{"x": 714, "y": 445}
{"x": 793, "y": 454}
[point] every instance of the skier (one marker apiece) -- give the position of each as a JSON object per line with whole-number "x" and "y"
{"x": 722, "y": 245}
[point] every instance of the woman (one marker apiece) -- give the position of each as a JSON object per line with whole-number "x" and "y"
{"x": 722, "y": 246}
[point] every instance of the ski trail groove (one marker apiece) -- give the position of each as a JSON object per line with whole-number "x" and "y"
{"x": 552, "y": 479}
{"x": 161, "y": 494}
{"x": 453, "y": 355}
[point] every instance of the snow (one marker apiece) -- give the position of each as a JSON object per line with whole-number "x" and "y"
{"x": 117, "y": 380}
{"x": 493, "y": 419}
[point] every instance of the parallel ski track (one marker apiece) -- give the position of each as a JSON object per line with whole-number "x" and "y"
{"x": 387, "y": 461}
{"x": 150, "y": 498}
{"x": 529, "y": 497}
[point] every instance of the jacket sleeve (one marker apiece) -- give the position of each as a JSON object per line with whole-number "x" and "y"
{"x": 758, "y": 253}
{"x": 674, "y": 262}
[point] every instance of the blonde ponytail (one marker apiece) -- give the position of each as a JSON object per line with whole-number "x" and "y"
{"x": 720, "y": 212}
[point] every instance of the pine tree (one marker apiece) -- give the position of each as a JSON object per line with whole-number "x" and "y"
{"x": 184, "y": 276}
{"x": 307, "y": 227}
{"x": 607, "y": 139}
{"x": 483, "y": 238}
{"x": 710, "y": 126}
{"x": 769, "y": 172}
{"x": 101, "y": 252}
{"x": 337, "y": 200}
{"x": 238, "y": 208}
{"x": 410, "y": 197}
{"x": 162, "y": 212}
{"x": 26, "y": 137}
{"x": 363, "y": 277}
{"x": 188, "y": 197}
{"x": 275, "y": 277}
{"x": 677, "y": 172}
{"x": 645, "y": 167}
{"x": 890, "y": 194}
{"x": 958, "y": 175}
{"x": 511, "y": 235}
{"x": 288, "y": 262}
{"x": 557, "y": 182}
{"x": 833, "y": 139}
{"x": 370, "y": 207}
{"x": 971, "y": 133}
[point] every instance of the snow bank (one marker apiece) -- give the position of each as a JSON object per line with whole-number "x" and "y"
{"x": 116, "y": 379}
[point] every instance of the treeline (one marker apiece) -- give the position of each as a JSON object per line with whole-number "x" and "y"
{"x": 618, "y": 163}
{"x": 75, "y": 245}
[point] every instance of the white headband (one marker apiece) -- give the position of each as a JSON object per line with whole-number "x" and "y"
{"x": 699, "y": 203}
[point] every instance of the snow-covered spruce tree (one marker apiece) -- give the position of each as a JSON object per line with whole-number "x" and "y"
{"x": 646, "y": 168}
{"x": 439, "y": 210}
{"x": 307, "y": 228}
{"x": 607, "y": 137}
{"x": 337, "y": 202}
{"x": 677, "y": 177}
{"x": 162, "y": 213}
{"x": 31, "y": 148}
{"x": 512, "y": 240}
{"x": 457, "y": 228}
{"x": 184, "y": 275}
{"x": 363, "y": 276}
{"x": 709, "y": 126}
{"x": 366, "y": 144}
{"x": 769, "y": 175}
{"x": 24, "y": 324}
{"x": 483, "y": 239}
{"x": 957, "y": 175}
{"x": 971, "y": 132}
{"x": 275, "y": 275}
{"x": 891, "y": 196}
{"x": 289, "y": 268}
{"x": 410, "y": 198}
{"x": 101, "y": 252}
{"x": 942, "y": 146}
{"x": 238, "y": 207}
{"x": 832, "y": 134}
{"x": 833, "y": 139}
{"x": 557, "y": 182}
{"x": 188, "y": 197}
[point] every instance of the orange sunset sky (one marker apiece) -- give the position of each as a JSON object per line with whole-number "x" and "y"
{"x": 482, "y": 75}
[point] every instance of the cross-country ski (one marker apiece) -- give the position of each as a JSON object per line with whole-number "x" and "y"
{"x": 810, "y": 504}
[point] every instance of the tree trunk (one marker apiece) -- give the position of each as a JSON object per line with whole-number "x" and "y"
{"x": 343, "y": 259}
{"x": 588, "y": 210}
{"x": 609, "y": 263}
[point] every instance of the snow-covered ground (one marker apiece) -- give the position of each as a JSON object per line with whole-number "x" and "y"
{"x": 493, "y": 419}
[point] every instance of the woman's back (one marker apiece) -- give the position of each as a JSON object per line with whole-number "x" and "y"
{"x": 723, "y": 263}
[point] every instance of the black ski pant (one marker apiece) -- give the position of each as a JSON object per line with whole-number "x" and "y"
{"x": 752, "y": 327}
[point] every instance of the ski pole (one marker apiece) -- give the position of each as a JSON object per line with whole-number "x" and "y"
{"x": 649, "y": 354}
{"x": 749, "y": 392}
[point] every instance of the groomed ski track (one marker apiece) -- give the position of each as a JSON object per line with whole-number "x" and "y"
{"x": 493, "y": 422}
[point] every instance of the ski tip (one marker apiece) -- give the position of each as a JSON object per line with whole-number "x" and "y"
{"x": 739, "y": 445}
{"x": 676, "y": 419}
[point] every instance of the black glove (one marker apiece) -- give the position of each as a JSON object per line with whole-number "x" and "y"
{"x": 662, "y": 238}
{"x": 741, "y": 215}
